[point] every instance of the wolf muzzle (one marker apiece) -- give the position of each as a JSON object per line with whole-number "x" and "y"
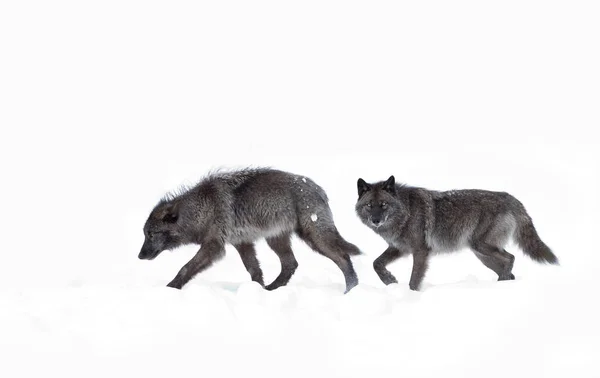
{"x": 378, "y": 220}
{"x": 146, "y": 254}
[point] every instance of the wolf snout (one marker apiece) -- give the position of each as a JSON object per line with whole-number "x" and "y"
{"x": 376, "y": 221}
{"x": 147, "y": 255}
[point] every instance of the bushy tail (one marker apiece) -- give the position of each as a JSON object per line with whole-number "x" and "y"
{"x": 530, "y": 242}
{"x": 347, "y": 247}
{"x": 350, "y": 248}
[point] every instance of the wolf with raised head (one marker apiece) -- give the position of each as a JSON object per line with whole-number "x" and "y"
{"x": 240, "y": 207}
{"x": 423, "y": 222}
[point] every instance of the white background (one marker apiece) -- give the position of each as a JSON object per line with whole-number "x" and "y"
{"x": 105, "y": 106}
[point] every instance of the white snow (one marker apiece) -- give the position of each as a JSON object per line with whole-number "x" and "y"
{"x": 107, "y": 107}
{"x": 456, "y": 329}
{"x": 314, "y": 217}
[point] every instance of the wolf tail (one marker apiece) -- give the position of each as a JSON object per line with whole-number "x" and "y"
{"x": 346, "y": 246}
{"x": 529, "y": 241}
{"x": 338, "y": 241}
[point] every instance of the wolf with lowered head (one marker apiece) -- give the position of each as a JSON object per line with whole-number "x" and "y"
{"x": 423, "y": 222}
{"x": 240, "y": 207}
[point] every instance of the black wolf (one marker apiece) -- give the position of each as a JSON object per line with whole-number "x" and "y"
{"x": 240, "y": 207}
{"x": 422, "y": 222}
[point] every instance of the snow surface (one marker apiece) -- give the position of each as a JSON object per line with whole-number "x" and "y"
{"x": 108, "y": 105}
{"x": 468, "y": 328}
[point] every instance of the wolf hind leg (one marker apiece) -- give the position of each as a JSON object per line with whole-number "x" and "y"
{"x": 510, "y": 262}
{"x": 328, "y": 242}
{"x": 495, "y": 265}
{"x": 282, "y": 246}
{"x": 496, "y": 259}
{"x": 248, "y": 255}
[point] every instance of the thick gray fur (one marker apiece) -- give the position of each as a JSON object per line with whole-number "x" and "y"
{"x": 422, "y": 222}
{"x": 240, "y": 207}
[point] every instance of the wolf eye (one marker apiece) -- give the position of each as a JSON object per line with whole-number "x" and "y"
{"x": 369, "y": 204}
{"x": 384, "y": 204}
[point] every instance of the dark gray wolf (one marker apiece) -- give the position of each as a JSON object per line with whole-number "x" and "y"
{"x": 239, "y": 208}
{"x": 422, "y": 222}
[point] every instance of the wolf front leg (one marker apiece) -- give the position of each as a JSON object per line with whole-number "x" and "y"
{"x": 248, "y": 255}
{"x": 388, "y": 256}
{"x": 420, "y": 264}
{"x": 206, "y": 256}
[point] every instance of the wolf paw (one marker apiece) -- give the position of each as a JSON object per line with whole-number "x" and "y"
{"x": 350, "y": 285}
{"x": 174, "y": 285}
{"x": 272, "y": 286}
{"x": 506, "y": 277}
{"x": 387, "y": 278}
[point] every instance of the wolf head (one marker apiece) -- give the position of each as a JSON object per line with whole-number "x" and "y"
{"x": 162, "y": 230}
{"x": 377, "y": 205}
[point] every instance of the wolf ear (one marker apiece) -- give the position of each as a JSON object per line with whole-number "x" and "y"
{"x": 363, "y": 187}
{"x": 170, "y": 213}
{"x": 390, "y": 185}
